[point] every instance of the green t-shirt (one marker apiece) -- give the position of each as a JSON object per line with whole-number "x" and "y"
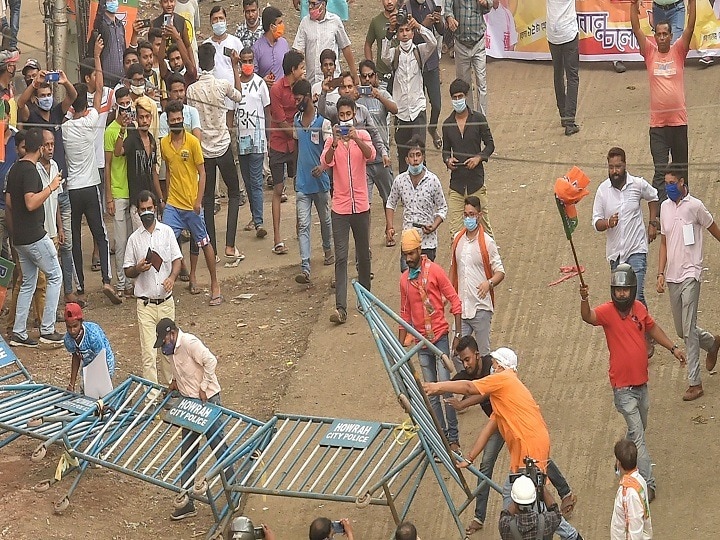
{"x": 118, "y": 168}
{"x": 376, "y": 33}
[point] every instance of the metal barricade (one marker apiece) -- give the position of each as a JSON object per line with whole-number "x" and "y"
{"x": 406, "y": 383}
{"x": 11, "y": 372}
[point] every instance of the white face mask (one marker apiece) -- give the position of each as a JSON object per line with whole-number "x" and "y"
{"x": 406, "y": 45}
{"x": 347, "y": 123}
{"x": 138, "y": 90}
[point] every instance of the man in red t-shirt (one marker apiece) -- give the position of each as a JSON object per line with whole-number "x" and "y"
{"x": 625, "y": 321}
{"x": 665, "y": 62}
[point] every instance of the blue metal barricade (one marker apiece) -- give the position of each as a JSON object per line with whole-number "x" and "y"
{"x": 407, "y": 386}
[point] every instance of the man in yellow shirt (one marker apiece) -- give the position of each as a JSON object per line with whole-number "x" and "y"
{"x": 185, "y": 187}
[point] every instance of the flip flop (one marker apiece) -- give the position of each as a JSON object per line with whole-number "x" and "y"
{"x": 112, "y": 295}
{"x": 280, "y": 249}
{"x": 193, "y": 288}
{"x": 475, "y": 526}
{"x": 216, "y": 300}
{"x": 250, "y": 226}
{"x": 237, "y": 256}
{"x": 184, "y": 275}
{"x": 95, "y": 266}
{"x": 390, "y": 243}
{"x": 567, "y": 505}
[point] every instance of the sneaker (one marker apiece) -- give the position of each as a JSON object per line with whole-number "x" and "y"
{"x": 691, "y": 394}
{"x": 571, "y": 129}
{"x": 339, "y": 317}
{"x": 619, "y": 67}
{"x": 185, "y": 512}
{"x": 52, "y": 339}
{"x": 17, "y": 341}
{"x": 303, "y": 278}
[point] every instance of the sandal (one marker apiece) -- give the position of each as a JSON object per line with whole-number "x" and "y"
{"x": 95, "y": 266}
{"x": 475, "y": 526}
{"x": 216, "y": 300}
{"x": 193, "y": 288}
{"x": 112, "y": 295}
{"x": 280, "y": 249}
{"x": 437, "y": 140}
{"x": 250, "y": 226}
{"x": 184, "y": 275}
{"x": 237, "y": 256}
{"x": 389, "y": 243}
{"x": 567, "y": 505}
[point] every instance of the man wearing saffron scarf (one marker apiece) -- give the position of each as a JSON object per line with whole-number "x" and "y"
{"x": 424, "y": 287}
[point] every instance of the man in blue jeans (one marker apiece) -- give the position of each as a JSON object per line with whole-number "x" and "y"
{"x": 617, "y": 212}
{"x": 24, "y": 200}
{"x": 477, "y": 367}
{"x": 626, "y": 322}
{"x": 312, "y": 182}
{"x": 671, "y": 12}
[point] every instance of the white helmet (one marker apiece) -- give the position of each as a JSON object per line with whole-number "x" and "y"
{"x": 523, "y": 491}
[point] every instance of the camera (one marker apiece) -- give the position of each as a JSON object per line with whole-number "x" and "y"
{"x": 337, "y": 527}
{"x": 402, "y": 16}
{"x": 532, "y": 471}
{"x": 242, "y": 528}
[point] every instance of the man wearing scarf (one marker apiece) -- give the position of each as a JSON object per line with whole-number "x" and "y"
{"x": 424, "y": 288}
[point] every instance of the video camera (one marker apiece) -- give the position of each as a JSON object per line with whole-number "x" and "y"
{"x": 533, "y": 472}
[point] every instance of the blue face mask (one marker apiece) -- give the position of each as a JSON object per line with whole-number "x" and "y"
{"x": 45, "y": 103}
{"x": 168, "y": 348}
{"x": 112, "y": 6}
{"x": 414, "y": 170}
{"x": 459, "y": 105}
{"x": 413, "y": 273}
{"x": 219, "y": 28}
{"x": 470, "y": 223}
{"x": 673, "y": 192}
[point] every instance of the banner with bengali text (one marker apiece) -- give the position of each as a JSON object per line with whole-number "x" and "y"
{"x": 516, "y": 29}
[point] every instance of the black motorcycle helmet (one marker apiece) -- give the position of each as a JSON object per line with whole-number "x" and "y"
{"x": 623, "y": 276}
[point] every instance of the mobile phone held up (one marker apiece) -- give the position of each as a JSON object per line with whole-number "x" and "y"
{"x": 344, "y": 130}
{"x": 365, "y": 90}
{"x": 337, "y": 527}
{"x": 167, "y": 19}
{"x": 227, "y": 51}
{"x": 144, "y": 23}
{"x": 52, "y": 76}
{"x": 437, "y": 9}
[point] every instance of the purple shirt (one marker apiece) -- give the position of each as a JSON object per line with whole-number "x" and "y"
{"x": 269, "y": 58}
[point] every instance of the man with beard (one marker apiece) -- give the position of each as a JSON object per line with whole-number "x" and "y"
{"x": 424, "y": 289}
{"x": 618, "y": 213}
{"x": 153, "y": 284}
{"x": 626, "y": 322}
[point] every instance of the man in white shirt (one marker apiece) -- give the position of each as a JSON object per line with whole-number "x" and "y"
{"x": 618, "y": 213}
{"x": 407, "y": 61}
{"x": 223, "y": 67}
{"x": 153, "y": 284}
{"x": 48, "y": 170}
{"x": 328, "y": 65}
{"x": 83, "y": 181}
{"x": 318, "y": 31}
{"x": 563, "y": 38}
{"x": 208, "y": 95}
{"x": 475, "y": 270}
{"x": 631, "y": 512}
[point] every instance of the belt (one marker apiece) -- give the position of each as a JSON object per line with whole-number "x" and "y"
{"x": 154, "y": 301}
{"x": 668, "y": 7}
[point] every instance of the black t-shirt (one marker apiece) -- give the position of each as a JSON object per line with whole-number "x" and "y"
{"x": 28, "y": 227}
{"x": 484, "y": 372}
{"x": 178, "y": 21}
{"x": 140, "y": 165}
{"x": 57, "y": 117}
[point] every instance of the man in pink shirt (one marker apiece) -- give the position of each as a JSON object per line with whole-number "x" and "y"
{"x": 682, "y": 220}
{"x": 665, "y": 63}
{"x": 424, "y": 287}
{"x": 347, "y": 153}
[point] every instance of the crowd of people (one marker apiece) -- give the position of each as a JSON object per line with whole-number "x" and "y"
{"x": 138, "y": 140}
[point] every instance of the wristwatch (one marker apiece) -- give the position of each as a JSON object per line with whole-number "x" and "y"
{"x": 458, "y": 334}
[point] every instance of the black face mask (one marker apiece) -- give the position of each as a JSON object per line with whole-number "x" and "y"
{"x": 28, "y": 82}
{"x": 177, "y": 127}
{"x": 147, "y": 218}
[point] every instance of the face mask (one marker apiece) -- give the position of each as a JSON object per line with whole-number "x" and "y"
{"x": 112, "y": 6}
{"x": 177, "y": 127}
{"x": 413, "y": 273}
{"x": 219, "y": 28}
{"x": 346, "y": 123}
{"x": 28, "y": 82}
{"x": 673, "y": 192}
{"x": 459, "y": 105}
{"x": 279, "y": 30}
{"x": 470, "y": 223}
{"x": 168, "y": 348}
{"x": 247, "y": 69}
{"x": 414, "y": 170}
{"x": 147, "y": 218}
{"x": 315, "y": 14}
{"x": 137, "y": 89}
{"x": 45, "y": 103}
{"x": 406, "y": 45}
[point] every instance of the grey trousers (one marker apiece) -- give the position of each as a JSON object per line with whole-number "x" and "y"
{"x": 341, "y": 226}
{"x": 684, "y": 299}
{"x": 566, "y": 62}
{"x": 470, "y": 62}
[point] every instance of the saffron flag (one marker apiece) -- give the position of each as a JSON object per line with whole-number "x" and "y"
{"x": 570, "y": 190}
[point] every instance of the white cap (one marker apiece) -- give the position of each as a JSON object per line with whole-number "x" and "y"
{"x": 506, "y": 358}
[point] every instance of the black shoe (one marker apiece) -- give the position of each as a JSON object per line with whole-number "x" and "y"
{"x": 571, "y": 129}
{"x": 579, "y": 537}
{"x": 17, "y": 341}
{"x": 185, "y": 512}
{"x": 52, "y": 339}
{"x": 339, "y": 317}
{"x": 619, "y": 67}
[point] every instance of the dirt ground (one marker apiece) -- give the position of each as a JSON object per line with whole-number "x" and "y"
{"x": 289, "y": 358}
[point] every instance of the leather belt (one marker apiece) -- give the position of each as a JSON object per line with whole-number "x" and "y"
{"x": 154, "y": 301}
{"x": 668, "y": 7}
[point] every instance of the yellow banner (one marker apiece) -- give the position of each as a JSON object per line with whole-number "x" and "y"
{"x": 516, "y": 29}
